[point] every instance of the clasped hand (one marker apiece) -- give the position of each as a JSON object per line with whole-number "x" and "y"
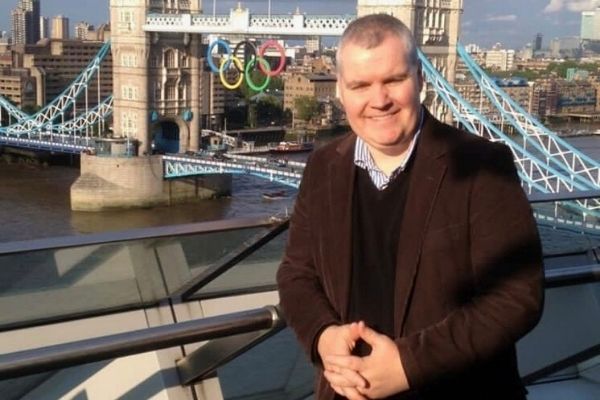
{"x": 378, "y": 375}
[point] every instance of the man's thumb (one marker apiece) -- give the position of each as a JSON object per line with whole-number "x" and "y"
{"x": 367, "y": 334}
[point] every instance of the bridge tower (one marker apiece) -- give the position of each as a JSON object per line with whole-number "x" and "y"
{"x": 157, "y": 78}
{"x": 435, "y": 24}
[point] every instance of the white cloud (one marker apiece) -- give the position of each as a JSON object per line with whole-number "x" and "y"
{"x": 502, "y": 18}
{"x": 571, "y": 5}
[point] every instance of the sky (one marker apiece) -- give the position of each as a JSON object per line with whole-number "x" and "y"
{"x": 484, "y": 22}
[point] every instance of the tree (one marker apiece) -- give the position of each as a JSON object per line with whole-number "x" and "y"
{"x": 269, "y": 110}
{"x": 306, "y": 107}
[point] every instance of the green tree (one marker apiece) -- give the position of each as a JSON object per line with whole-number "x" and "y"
{"x": 306, "y": 107}
{"x": 269, "y": 110}
{"x": 31, "y": 109}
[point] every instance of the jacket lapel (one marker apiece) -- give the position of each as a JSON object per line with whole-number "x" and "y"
{"x": 425, "y": 178}
{"x": 342, "y": 172}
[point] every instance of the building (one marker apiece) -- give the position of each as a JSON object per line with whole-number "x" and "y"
{"x": 569, "y": 46}
{"x": 575, "y": 97}
{"x": 321, "y": 87}
{"x": 52, "y": 65}
{"x": 576, "y": 74}
{"x": 517, "y": 88}
{"x": 4, "y": 38}
{"x": 83, "y": 30}
{"x": 501, "y": 60}
{"x": 313, "y": 44}
{"x": 60, "y": 27}
{"x": 543, "y": 99}
{"x": 44, "y": 28}
{"x": 472, "y": 48}
{"x": 26, "y": 22}
{"x": 537, "y": 44}
{"x": 590, "y": 25}
{"x": 18, "y": 86}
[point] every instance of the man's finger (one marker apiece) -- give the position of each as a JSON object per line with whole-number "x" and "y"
{"x": 353, "y": 394}
{"x": 349, "y": 362}
{"x": 344, "y": 377}
{"x": 338, "y": 390}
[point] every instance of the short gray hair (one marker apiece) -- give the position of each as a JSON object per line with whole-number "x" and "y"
{"x": 371, "y": 30}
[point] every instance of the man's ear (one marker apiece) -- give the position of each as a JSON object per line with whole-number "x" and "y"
{"x": 420, "y": 77}
{"x": 338, "y": 91}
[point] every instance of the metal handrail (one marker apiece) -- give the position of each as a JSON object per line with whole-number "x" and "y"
{"x": 155, "y": 338}
{"x": 123, "y": 344}
{"x": 552, "y": 197}
{"x": 132, "y": 234}
{"x": 569, "y": 276}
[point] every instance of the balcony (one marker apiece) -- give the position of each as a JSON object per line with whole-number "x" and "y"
{"x": 179, "y": 309}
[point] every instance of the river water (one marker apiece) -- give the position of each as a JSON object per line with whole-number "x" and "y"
{"x": 34, "y": 202}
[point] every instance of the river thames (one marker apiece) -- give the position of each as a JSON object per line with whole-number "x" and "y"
{"x": 34, "y": 202}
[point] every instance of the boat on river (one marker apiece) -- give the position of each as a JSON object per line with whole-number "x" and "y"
{"x": 291, "y": 147}
{"x": 278, "y": 195}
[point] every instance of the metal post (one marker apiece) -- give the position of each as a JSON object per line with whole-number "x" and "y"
{"x": 87, "y": 110}
{"x": 100, "y": 120}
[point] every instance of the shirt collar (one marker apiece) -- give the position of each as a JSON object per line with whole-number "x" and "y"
{"x": 364, "y": 160}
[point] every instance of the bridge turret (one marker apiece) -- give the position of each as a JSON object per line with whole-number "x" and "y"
{"x": 157, "y": 77}
{"x": 130, "y": 49}
{"x": 435, "y": 25}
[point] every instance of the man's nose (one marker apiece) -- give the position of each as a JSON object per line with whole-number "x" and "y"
{"x": 380, "y": 97}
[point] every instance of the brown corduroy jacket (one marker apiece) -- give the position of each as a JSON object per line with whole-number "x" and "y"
{"x": 469, "y": 281}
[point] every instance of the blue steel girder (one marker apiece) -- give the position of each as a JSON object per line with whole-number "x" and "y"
{"x": 12, "y": 110}
{"x": 63, "y": 137}
{"x": 59, "y": 106}
{"x": 554, "y": 148}
{"x": 181, "y": 166}
{"x": 85, "y": 120}
{"x": 535, "y": 173}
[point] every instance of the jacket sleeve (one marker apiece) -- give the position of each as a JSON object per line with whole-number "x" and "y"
{"x": 306, "y": 308}
{"x": 506, "y": 263}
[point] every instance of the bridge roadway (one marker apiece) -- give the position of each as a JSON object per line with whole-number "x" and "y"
{"x": 285, "y": 172}
{"x": 53, "y": 142}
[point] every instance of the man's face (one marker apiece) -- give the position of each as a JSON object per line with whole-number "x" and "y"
{"x": 380, "y": 90}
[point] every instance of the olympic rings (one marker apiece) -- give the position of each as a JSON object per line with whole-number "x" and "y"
{"x": 262, "y": 63}
{"x": 247, "y": 45}
{"x": 263, "y": 49}
{"x": 214, "y": 44}
{"x": 238, "y": 65}
{"x": 252, "y": 57}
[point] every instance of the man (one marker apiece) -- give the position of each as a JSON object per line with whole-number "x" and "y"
{"x": 413, "y": 263}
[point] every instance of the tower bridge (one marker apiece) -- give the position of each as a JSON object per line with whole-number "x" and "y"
{"x": 161, "y": 76}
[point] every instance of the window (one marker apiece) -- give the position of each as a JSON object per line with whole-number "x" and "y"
{"x": 128, "y": 123}
{"x": 126, "y": 21}
{"x": 129, "y": 60}
{"x": 171, "y": 92}
{"x": 130, "y": 92}
{"x": 170, "y": 59}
